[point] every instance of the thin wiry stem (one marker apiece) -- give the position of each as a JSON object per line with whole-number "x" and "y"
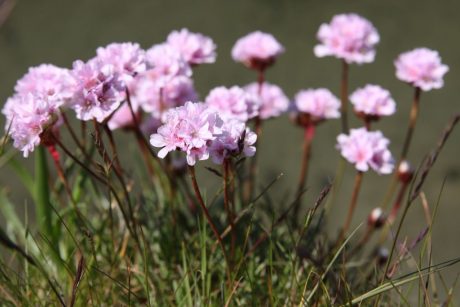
{"x": 228, "y": 205}
{"x": 412, "y": 121}
{"x": 352, "y": 206}
{"x": 344, "y": 96}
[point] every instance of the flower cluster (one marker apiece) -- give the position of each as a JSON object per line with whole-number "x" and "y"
{"x": 272, "y": 100}
{"x": 257, "y": 50}
{"x": 233, "y": 103}
{"x": 318, "y": 104}
{"x": 197, "y": 130}
{"x": 421, "y": 68}
{"x": 349, "y": 37}
{"x": 372, "y": 102}
{"x": 366, "y": 149}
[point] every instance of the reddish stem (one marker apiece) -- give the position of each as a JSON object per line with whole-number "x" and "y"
{"x": 352, "y": 206}
{"x": 344, "y": 96}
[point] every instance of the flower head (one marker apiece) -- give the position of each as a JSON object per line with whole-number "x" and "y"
{"x": 273, "y": 101}
{"x": 422, "y": 68}
{"x": 47, "y": 80}
{"x": 349, "y": 37}
{"x": 167, "y": 61}
{"x": 233, "y": 103}
{"x": 99, "y": 91}
{"x": 234, "y": 139}
{"x": 28, "y": 118}
{"x": 194, "y": 47}
{"x": 373, "y": 101}
{"x": 189, "y": 128}
{"x": 257, "y": 50}
{"x": 366, "y": 149}
{"x": 126, "y": 59}
{"x": 319, "y": 104}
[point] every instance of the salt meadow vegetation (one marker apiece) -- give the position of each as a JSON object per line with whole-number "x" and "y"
{"x": 107, "y": 232}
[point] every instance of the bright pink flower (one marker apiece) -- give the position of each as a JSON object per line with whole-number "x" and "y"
{"x": 165, "y": 60}
{"x": 318, "y": 103}
{"x": 422, "y": 68}
{"x": 127, "y": 59}
{"x": 273, "y": 101}
{"x": 234, "y": 140}
{"x": 257, "y": 50}
{"x": 156, "y": 94}
{"x": 28, "y": 117}
{"x": 99, "y": 91}
{"x": 366, "y": 149}
{"x": 373, "y": 100}
{"x": 233, "y": 103}
{"x": 349, "y": 37}
{"x": 194, "y": 47}
{"x": 189, "y": 128}
{"x": 47, "y": 80}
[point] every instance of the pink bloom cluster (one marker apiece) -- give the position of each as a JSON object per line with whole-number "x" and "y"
{"x": 272, "y": 100}
{"x": 194, "y": 47}
{"x": 197, "y": 130}
{"x": 34, "y": 108}
{"x": 373, "y": 101}
{"x": 349, "y": 37}
{"x": 422, "y": 68}
{"x": 257, "y": 50}
{"x": 319, "y": 103}
{"x": 233, "y": 103}
{"x": 366, "y": 149}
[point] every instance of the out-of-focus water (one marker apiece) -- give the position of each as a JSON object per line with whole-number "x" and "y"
{"x": 58, "y": 32}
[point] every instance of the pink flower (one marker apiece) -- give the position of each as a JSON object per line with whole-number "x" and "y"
{"x": 156, "y": 94}
{"x": 373, "y": 101}
{"x": 233, "y": 103}
{"x": 47, "y": 80}
{"x": 421, "y": 68}
{"x": 99, "y": 90}
{"x": 366, "y": 149}
{"x": 127, "y": 59}
{"x": 234, "y": 140}
{"x": 165, "y": 60}
{"x": 194, "y": 47}
{"x": 257, "y": 50}
{"x": 273, "y": 101}
{"x": 349, "y": 37}
{"x": 189, "y": 128}
{"x": 319, "y": 103}
{"x": 123, "y": 118}
{"x": 28, "y": 117}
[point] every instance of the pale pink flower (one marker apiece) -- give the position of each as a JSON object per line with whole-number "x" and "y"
{"x": 189, "y": 128}
{"x": 123, "y": 117}
{"x": 194, "y": 47}
{"x": 234, "y": 140}
{"x": 28, "y": 117}
{"x": 127, "y": 59}
{"x": 257, "y": 50}
{"x": 233, "y": 103}
{"x": 349, "y": 37}
{"x": 165, "y": 60}
{"x": 47, "y": 80}
{"x": 421, "y": 68}
{"x": 273, "y": 101}
{"x": 366, "y": 149}
{"x": 156, "y": 94}
{"x": 373, "y": 100}
{"x": 319, "y": 103}
{"x": 99, "y": 90}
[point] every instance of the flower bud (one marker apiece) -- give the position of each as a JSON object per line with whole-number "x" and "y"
{"x": 405, "y": 172}
{"x": 382, "y": 255}
{"x": 376, "y": 218}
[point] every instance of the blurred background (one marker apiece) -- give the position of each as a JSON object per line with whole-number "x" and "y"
{"x": 61, "y": 31}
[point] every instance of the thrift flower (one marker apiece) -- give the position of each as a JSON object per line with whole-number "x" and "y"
{"x": 165, "y": 60}
{"x": 233, "y": 103}
{"x": 235, "y": 139}
{"x": 366, "y": 149}
{"x": 349, "y": 37}
{"x": 273, "y": 101}
{"x": 421, "y": 68}
{"x": 257, "y": 50}
{"x": 373, "y": 101}
{"x": 189, "y": 128}
{"x": 319, "y": 104}
{"x": 195, "y": 48}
